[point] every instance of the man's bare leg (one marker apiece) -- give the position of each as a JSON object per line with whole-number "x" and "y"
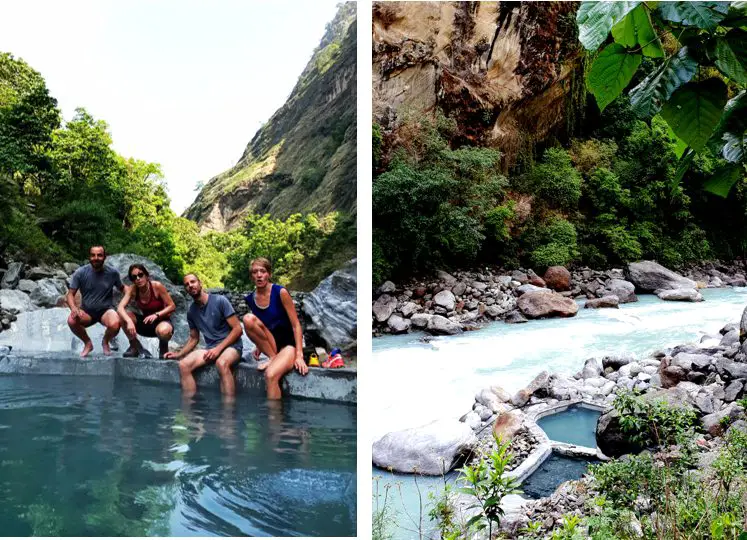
{"x": 278, "y": 366}
{"x": 224, "y": 362}
{"x": 110, "y": 319}
{"x": 187, "y": 365}
{"x": 78, "y": 327}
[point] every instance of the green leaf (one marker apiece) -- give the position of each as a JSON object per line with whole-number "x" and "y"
{"x": 684, "y": 165}
{"x": 636, "y": 30}
{"x": 704, "y": 15}
{"x": 610, "y": 73}
{"x": 694, "y": 111}
{"x": 679, "y": 145}
{"x": 596, "y": 19}
{"x": 651, "y": 92}
{"x": 723, "y": 180}
{"x": 473, "y": 520}
{"x": 731, "y": 55}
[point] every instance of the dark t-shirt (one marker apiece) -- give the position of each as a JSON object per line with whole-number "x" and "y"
{"x": 210, "y": 320}
{"x": 96, "y": 287}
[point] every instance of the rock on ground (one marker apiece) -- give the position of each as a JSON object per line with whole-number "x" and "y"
{"x": 610, "y": 301}
{"x": 624, "y": 290}
{"x": 650, "y": 276}
{"x": 546, "y": 304}
{"x": 682, "y": 295}
{"x": 432, "y": 449}
{"x": 331, "y": 308}
{"x": 558, "y": 278}
{"x": 441, "y": 325}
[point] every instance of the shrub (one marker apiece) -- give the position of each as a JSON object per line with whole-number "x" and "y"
{"x": 556, "y": 181}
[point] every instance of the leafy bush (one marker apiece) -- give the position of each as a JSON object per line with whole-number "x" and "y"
{"x": 555, "y": 180}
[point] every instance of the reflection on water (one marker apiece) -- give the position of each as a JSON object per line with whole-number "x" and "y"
{"x": 92, "y": 457}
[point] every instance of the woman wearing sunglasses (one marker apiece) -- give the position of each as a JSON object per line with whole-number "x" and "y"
{"x": 156, "y": 306}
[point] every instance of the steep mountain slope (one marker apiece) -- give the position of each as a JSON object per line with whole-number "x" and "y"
{"x": 304, "y": 158}
{"x": 503, "y": 70}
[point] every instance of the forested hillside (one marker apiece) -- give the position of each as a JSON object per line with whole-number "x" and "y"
{"x": 616, "y": 172}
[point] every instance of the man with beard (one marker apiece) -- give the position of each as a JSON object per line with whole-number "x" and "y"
{"x": 96, "y": 282}
{"x": 214, "y": 317}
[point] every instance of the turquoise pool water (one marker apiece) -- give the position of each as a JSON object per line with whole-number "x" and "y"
{"x": 94, "y": 457}
{"x": 577, "y": 425}
{"x": 554, "y": 471}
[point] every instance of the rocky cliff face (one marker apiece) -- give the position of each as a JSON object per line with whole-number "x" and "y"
{"x": 503, "y": 70}
{"x": 304, "y": 158}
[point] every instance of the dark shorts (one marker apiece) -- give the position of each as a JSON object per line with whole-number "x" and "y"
{"x": 97, "y": 313}
{"x": 148, "y": 330}
{"x": 283, "y": 337}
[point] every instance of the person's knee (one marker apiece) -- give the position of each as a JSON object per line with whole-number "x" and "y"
{"x": 251, "y": 322}
{"x": 224, "y": 366}
{"x": 113, "y": 324}
{"x": 165, "y": 331}
{"x": 185, "y": 367}
{"x": 272, "y": 376}
{"x": 72, "y": 321}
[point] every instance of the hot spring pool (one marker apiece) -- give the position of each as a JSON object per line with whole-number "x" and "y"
{"x": 576, "y": 425}
{"x": 95, "y": 456}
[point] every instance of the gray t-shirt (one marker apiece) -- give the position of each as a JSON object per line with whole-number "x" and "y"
{"x": 96, "y": 287}
{"x": 210, "y": 320}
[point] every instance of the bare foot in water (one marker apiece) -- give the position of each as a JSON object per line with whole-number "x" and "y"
{"x": 105, "y": 346}
{"x": 263, "y": 366}
{"x": 87, "y": 348}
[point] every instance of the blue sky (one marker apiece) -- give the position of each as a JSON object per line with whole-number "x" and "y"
{"x": 183, "y": 83}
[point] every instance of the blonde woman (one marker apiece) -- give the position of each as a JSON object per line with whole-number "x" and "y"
{"x": 273, "y": 327}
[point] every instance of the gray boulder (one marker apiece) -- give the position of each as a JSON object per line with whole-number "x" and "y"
{"x": 441, "y": 325}
{"x": 384, "y": 307}
{"x": 592, "y": 368}
{"x": 624, "y": 290}
{"x": 609, "y": 301}
{"x": 70, "y": 267}
{"x": 409, "y": 308}
{"x": 446, "y": 300}
{"x": 743, "y": 325}
{"x": 515, "y": 317}
{"x": 433, "y": 449}
{"x": 420, "y": 320}
{"x": 447, "y": 278}
{"x": 15, "y": 301}
{"x": 41, "y": 272}
{"x": 681, "y": 295}
{"x": 535, "y": 305}
{"x": 26, "y": 285}
{"x": 332, "y": 308}
{"x": 650, "y": 276}
{"x": 48, "y": 292}
{"x": 459, "y": 288}
{"x": 12, "y": 276}
{"x": 397, "y": 324}
{"x": 387, "y": 288}
{"x": 528, "y": 287}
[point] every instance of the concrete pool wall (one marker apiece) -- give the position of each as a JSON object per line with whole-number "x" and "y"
{"x": 326, "y": 384}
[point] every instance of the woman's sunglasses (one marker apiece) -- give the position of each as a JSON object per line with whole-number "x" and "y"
{"x": 135, "y": 277}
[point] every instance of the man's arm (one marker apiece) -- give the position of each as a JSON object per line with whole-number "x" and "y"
{"x": 70, "y": 299}
{"x": 233, "y": 335}
{"x": 194, "y": 339}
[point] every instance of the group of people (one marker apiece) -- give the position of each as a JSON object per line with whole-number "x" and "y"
{"x": 272, "y": 324}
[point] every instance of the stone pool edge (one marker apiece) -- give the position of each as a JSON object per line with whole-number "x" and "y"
{"x": 340, "y": 385}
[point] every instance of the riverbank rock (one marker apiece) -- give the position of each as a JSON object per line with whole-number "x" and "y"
{"x": 610, "y": 301}
{"x": 15, "y": 301}
{"x": 546, "y": 304}
{"x": 446, "y": 300}
{"x": 433, "y": 449}
{"x": 384, "y": 307}
{"x": 48, "y": 292}
{"x": 12, "y": 276}
{"x": 438, "y": 324}
{"x": 650, "y": 276}
{"x": 331, "y": 309}
{"x": 397, "y": 324}
{"x": 558, "y": 278}
{"x": 624, "y": 290}
{"x": 681, "y": 295}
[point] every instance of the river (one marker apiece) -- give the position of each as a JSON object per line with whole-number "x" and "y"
{"x": 420, "y": 382}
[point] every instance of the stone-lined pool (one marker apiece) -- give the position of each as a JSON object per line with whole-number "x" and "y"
{"x": 98, "y": 456}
